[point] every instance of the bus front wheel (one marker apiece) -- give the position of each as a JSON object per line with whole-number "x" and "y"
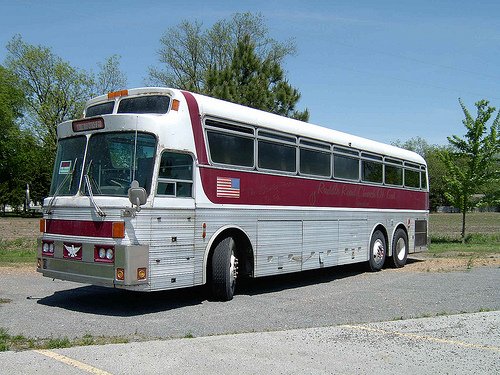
{"x": 224, "y": 270}
{"x": 377, "y": 251}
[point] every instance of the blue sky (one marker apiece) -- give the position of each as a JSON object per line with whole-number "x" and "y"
{"x": 384, "y": 70}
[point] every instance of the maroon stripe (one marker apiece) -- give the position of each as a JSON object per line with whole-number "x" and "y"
{"x": 80, "y": 228}
{"x": 264, "y": 189}
{"x": 199, "y": 140}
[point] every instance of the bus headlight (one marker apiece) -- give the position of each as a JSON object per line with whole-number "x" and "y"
{"x": 110, "y": 254}
{"x": 48, "y": 248}
{"x": 104, "y": 253}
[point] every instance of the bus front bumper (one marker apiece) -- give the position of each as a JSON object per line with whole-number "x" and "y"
{"x": 128, "y": 271}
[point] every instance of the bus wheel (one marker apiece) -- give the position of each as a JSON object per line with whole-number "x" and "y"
{"x": 377, "y": 251}
{"x": 224, "y": 270}
{"x": 399, "y": 248}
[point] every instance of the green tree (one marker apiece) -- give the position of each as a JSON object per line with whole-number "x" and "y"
{"x": 110, "y": 77}
{"x": 201, "y": 60}
{"x": 472, "y": 164}
{"x": 253, "y": 82}
{"x": 22, "y": 158}
{"x": 55, "y": 90}
{"x": 12, "y": 102}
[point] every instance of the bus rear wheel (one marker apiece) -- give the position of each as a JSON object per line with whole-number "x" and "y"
{"x": 377, "y": 251}
{"x": 224, "y": 270}
{"x": 399, "y": 248}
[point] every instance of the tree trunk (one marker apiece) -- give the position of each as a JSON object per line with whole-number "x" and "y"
{"x": 464, "y": 211}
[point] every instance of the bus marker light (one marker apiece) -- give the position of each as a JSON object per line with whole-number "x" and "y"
{"x": 118, "y": 229}
{"x": 120, "y": 274}
{"x": 175, "y": 105}
{"x": 204, "y": 233}
{"x": 141, "y": 274}
{"x": 117, "y": 94}
{"x": 42, "y": 225}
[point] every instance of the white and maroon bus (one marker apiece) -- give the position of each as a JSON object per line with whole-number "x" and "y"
{"x": 158, "y": 188}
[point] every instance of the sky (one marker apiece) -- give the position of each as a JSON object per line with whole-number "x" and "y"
{"x": 384, "y": 70}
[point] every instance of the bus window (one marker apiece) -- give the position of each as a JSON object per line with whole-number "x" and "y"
{"x": 423, "y": 178}
{"x": 68, "y": 166}
{"x": 100, "y": 109}
{"x": 412, "y": 178}
{"x": 231, "y": 149}
{"x": 115, "y": 159}
{"x": 346, "y": 167}
{"x": 393, "y": 175}
{"x": 145, "y": 104}
{"x": 175, "y": 178}
{"x": 315, "y": 163}
{"x": 276, "y": 156}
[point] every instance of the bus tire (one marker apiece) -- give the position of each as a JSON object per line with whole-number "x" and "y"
{"x": 224, "y": 270}
{"x": 399, "y": 248}
{"x": 377, "y": 251}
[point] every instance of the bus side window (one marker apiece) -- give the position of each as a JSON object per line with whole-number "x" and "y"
{"x": 175, "y": 177}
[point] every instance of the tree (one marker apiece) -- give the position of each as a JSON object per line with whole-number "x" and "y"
{"x": 55, "y": 90}
{"x": 235, "y": 60}
{"x": 253, "y": 82}
{"x": 12, "y": 101}
{"x": 110, "y": 77}
{"x": 472, "y": 164}
{"x": 22, "y": 157}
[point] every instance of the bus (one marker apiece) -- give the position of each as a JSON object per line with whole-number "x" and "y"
{"x": 159, "y": 188}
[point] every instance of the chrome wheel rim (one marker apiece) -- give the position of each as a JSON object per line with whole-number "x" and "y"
{"x": 401, "y": 249}
{"x": 378, "y": 251}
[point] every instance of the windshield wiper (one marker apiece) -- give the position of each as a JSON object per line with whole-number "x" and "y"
{"x": 59, "y": 187}
{"x": 88, "y": 183}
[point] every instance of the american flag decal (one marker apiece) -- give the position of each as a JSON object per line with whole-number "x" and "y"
{"x": 228, "y": 187}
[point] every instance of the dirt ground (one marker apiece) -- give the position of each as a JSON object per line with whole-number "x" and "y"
{"x": 18, "y": 227}
{"x": 12, "y": 228}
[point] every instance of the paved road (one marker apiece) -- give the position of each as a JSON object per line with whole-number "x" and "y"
{"x": 458, "y": 344}
{"x": 41, "y": 307}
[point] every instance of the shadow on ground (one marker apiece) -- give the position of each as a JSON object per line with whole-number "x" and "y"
{"x": 114, "y": 302}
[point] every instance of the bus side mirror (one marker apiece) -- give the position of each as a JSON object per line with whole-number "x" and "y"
{"x": 137, "y": 195}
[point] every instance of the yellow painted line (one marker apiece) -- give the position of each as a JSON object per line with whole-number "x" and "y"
{"x": 72, "y": 362}
{"x": 424, "y": 338}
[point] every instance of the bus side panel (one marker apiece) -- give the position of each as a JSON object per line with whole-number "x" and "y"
{"x": 279, "y": 247}
{"x": 353, "y": 238}
{"x": 320, "y": 247}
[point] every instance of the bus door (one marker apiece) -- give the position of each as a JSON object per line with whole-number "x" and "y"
{"x": 173, "y": 223}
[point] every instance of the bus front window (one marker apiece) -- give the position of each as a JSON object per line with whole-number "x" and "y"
{"x": 114, "y": 160}
{"x": 68, "y": 166}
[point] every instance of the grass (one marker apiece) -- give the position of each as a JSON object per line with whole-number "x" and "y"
{"x": 19, "y": 342}
{"x": 482, "y": 240}
{"x": 20, "y": 250}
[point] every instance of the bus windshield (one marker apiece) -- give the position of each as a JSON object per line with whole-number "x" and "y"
{"x": 114, "y": 160}
{"x": 68, "y": 166}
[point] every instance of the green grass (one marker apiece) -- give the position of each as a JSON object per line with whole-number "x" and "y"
{"x": 20, "y": 250}
{"x": 19, "y": 342}
{"x": 482, "y": 235}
